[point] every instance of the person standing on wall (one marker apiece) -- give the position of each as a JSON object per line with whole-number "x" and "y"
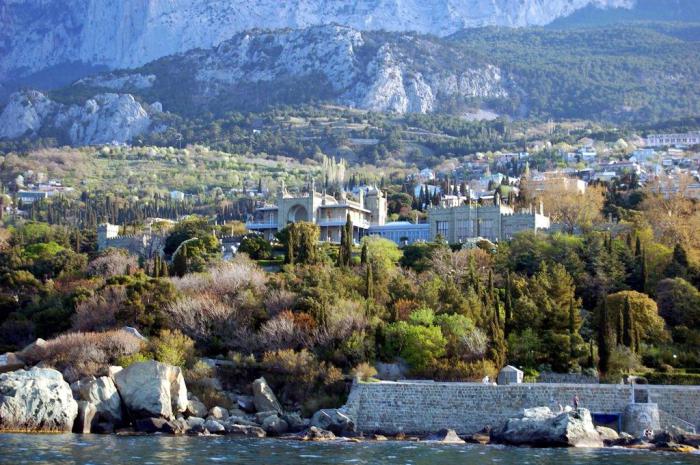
{"x": 576, "y": 400}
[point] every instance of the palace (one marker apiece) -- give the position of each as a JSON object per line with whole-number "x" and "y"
{"x": 329, "y": 213}
{"x": 455, "y": 224}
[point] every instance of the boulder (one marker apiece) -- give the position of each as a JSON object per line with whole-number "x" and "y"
{"x": 263, "y": 397}
{"x": 158, "y": 425}
{"x": 103, "y": 394}
{"x": 134, "y": 332}
{"x": 379, "y": 437}
{"x": 333, "y": 420}
{"x": 275, "y": 425}
{"x": 260, "y": 416}
{"x": 294, "y": 421}
{"x": 317, "y": 434}
{"x": 219, "y": 413}
{"x": 113, "y": 370}
{"x": 638, "y": 418}
{"x": 246, "y": 403}
{"x": 445, "y": 436}
{"x": 195, "y": 408}
{"x": 152, "y": 389}
{"x": 541, "y": 428}
{"x": 36, "y": 400}
{"x": 241, "y": 421}
{"x": 245, "y": 430}
{"x": 194, "y": 421}
{"x": 10, "y": 362}
{"x": 86, "y": 416}
{"x": 214, "y": 427}
{"x": 608, "y": 435}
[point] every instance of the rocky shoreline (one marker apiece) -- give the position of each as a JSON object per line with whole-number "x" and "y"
{"x": 151, "y": 397}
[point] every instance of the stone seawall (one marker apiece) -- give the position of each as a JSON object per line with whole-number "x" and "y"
{"x": 416, "y": 407}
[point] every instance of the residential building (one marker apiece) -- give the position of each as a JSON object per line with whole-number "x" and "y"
{"x": 663, "y": 140}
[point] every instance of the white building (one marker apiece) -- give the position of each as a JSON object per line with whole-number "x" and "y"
{"x": 663, "y": 140}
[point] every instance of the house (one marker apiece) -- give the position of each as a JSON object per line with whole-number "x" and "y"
{"x": 510, "y": 375}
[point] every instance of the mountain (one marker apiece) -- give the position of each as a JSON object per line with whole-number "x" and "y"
{"x": 687, "y": 11}
{"x": 102, "y": 119}
{"x": 52, "y": 42}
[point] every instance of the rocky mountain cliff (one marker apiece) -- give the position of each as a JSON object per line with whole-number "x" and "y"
{"x": 105, "y": 118}
{"x": 75, "y": 36}
{"x": 401, "y": 73}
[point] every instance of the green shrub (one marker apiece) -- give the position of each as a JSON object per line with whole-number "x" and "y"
{"x": 656, "y": 377}
{"x": 173, "y": 348}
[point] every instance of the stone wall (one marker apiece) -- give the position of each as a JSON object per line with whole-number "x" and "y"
{"x": 416, "y": 407}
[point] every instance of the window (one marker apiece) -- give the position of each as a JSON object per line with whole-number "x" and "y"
{"x": 442, "y": 229}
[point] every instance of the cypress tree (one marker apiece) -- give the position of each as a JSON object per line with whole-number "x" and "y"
{"x": 604, "y": 336}
{"x": 630, "y": 332}
{"x": 163, "y": 268}
{"x": 638, "y": 247}
{"x": 508, "y": 307}
{"x": 498, "y": 343}
{"x": 369, "y": 282}
{"x": 643, "y": 274}
{"x": 180, "y": 261}
{"x": 364, "y": 254}
{"x": 572, "y": 329}
{"x": 341, "y": 249}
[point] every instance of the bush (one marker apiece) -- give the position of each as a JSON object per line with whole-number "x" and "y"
{"x": 112, "y": 262}
{"x": 688, "y": 379}
{"x": 418, "y": 345}
{"x": 458, "y": 370}
{"x": 364, "y": 371}
{"x": 198, "y": 379}
{"x": 173, "y": 348}
{"x": 256, "y": 247}
{"x": 81, "y": 354}
{"x": 98, "y": 312}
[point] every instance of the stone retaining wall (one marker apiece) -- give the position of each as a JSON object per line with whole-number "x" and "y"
{"x": 416, "y": 407}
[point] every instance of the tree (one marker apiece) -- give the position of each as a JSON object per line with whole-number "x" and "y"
{"x": 180, "y": 261}
{"x": 605, "y": 345}
{"x": 644, "y": 317}
{"x": 679, "y": 302}
{"x": 346, "y": 239}
{"x": 573, "y": 209}
{"x": 498, "y": 342}
{"x": 256, "y": 247}
{"x": 301, "y": 242}
{"x": 364, "y": 255}
{"x": 629, "y": 338}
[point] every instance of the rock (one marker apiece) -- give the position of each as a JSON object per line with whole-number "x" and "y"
{"x": 103, "y": 394}
{"x": 333, "y": 420}
{"x": 157, "y": 425}
{"x": 608, "y": 435}
{"x": 246, "y": 403}
{"x": 113, "y": 370}
{"x": 36, "y": 400}
{"x": 236, "y": 412}
{"x": 193, "y": 421}
{"x": 689, "y": 439}
{"x": 195, "y": 408}
{"x": 445, "y": 436}
{"x": 482, "y": 437}
{"x": 260, "y": 416}
{"x": 263, "y": 397}
{"x": 219, "y": 413}
{"x": 86, "y": 415}
{"x": 134, "y": 332}
{"x": 152, "y": 389}
{"x": 10, "y": 362}
{"x": 245, "y": 430}
{"x": 317, "y": 434}
{"x": 379, "y": 437}
{"x": 294, "y": 421}
{"x": 241, "y": 421}
{"x": 214, "y": 427}
{"x": 541, "y": 428}
{"x": 275, "y": 425}
{"x": 103, "y": 428}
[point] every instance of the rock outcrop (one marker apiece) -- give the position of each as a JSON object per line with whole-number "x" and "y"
{"x": 445, "y": 436}
{"x": 103, "y": 119}
{"x": 539, "y": 427}
{"x": 333, "y": 420}
{"x": 83, "y": 35}
{"x": 102, "y": 393}
{"x": 152, "y": 389}
{"x": 36, "y": 400}
{"x": 264, "y": 398}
